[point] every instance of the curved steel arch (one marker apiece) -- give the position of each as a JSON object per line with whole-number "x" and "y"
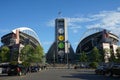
{"x": 28, "y": 31}
{"x": 90, "y": 32}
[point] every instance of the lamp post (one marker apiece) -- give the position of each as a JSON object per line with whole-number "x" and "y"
{"x": 67, "y": 52}
{"x": 67, "y": 60}
{"x": 54, "y": 59}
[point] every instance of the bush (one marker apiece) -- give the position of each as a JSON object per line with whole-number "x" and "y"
{"x": 13, "y": 62}
{"x": 93, "y": 64}
{"x": 26, "y": 64}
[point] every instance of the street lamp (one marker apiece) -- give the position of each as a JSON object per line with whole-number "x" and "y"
{"x": 67, "y": 52}
{"x": 54, "y": 59}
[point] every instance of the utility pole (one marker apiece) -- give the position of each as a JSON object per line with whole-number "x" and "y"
{"x": 54, "y": 59}
{"x": 67, "y": 52}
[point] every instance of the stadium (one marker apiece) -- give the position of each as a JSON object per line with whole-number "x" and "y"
{"x": 18, "y": 38}
{"x": 100, "y": 38}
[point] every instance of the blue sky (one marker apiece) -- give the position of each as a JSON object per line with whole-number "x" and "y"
{"x": 40, "y": 15}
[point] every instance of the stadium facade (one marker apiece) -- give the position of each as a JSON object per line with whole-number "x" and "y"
{"x": 100, "y": 38}
{"x": 17, "y": 39}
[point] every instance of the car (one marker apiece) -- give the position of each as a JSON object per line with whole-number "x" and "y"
{"x": 0, "y": 70}
{"x": 76, "y": 67}
{"x": 100, "y": 70}
{"x": 4, "y": 68}
{"x": 18, "y": 69}
{"x": 114, "y": 70}
{"x": 34, "y": 68}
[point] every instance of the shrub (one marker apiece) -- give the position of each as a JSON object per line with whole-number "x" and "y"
{"x": 93, "y": 64}
{"x": 26, "y": 64}
{"x": 13, "y": 62}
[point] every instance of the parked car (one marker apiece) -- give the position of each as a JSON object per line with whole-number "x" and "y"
{"x": 34, "y": 68}
{"x": 4, "y": 68}
{"x": 114, "y": 70}
{"x": 17, "y": 70}
{"x": 100, "y": 70}
{"x": 81, "y": 66}
{"x": 43, "y": 67}
{"x": 76, "y": 67}
{"x": 0, "y": 70}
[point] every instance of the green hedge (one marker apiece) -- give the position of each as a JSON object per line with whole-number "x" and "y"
{"x": 93, "y": 64}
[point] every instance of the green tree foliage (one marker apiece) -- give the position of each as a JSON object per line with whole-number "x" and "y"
{"x": 29, "y": 54}
{"x": 83, "y": 57}
{"x": 39, "y": 53}
{"x": 5, "y": 54}
{"x": 93, "y": 64}
{"x": 95, "y": 56}
{"x": 26, "y": 64}
{"x": 15, "y": 55}
{"x": 118, "y": 54}
{"x": 102, "y": 51}
{"x": 14, "y": 62}
{"x": 112, "y": 57}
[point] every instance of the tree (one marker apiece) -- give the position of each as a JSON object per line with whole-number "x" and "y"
{"x": 95, "y": 56}
{"x": 83, "y": 57}
{"x": 39, "y": 53}
{"x": 102, "y": 51}
{"x": 30, "y": 54}
{"x": 112, "y": 57}
{"x": 93, "y": 65}
{"x": 5, "y": 54}
{"x": 27, "y": 53}
{"x": 118, "y": 54}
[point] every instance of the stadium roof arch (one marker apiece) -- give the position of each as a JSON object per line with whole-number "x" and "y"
{"x": 90, "y": 32}
{"x": 28, "y": 31}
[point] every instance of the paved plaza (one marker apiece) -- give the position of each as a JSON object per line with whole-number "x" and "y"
{"x": 61, "y": 74}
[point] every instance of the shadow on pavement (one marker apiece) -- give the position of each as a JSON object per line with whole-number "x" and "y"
{"x": 91, "y": 77}
{"x": 3, "y": 75}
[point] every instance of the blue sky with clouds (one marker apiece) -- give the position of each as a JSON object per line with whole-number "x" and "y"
{"x": 40, "y": 15}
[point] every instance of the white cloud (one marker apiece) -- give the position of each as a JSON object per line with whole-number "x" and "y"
{"x": 78, "y": 19}
{"x": 105, "y": 19}
{"x": 75, "y": 31}
{"x": 109, "y": 20}
{"x": 118, "y": 9}
{"x": 72, "y": 23}
{"x": 47, "y": 42}
{"x": 77, "y": 27}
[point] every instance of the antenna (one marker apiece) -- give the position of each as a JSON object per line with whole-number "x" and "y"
{"x": 59, "y": 14}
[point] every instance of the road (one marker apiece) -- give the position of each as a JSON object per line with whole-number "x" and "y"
{"x": 61, "y": 74}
